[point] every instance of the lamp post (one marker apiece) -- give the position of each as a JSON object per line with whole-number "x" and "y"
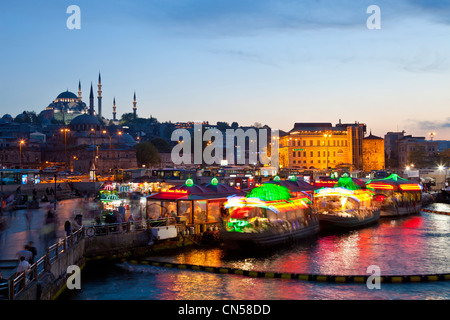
{"x": 65, "y": 130}
{"x": 432, "y": 134}
{"x": 20, "y": 153}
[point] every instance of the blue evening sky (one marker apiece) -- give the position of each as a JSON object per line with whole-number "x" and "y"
{"x": 270, "y": 61}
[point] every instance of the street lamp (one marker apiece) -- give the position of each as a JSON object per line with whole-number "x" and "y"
{"x": 65, "y": 130}
{"x": 432, "y": 134}
{"x": 20, "y": 153}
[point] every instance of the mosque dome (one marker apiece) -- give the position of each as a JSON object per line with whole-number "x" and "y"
{"x": 66, "y": 95}
{"x": 124, "y": 138}
{"x": 85, "y": 119}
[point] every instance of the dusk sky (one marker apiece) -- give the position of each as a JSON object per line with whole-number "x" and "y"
{"x": 275, "y": 62}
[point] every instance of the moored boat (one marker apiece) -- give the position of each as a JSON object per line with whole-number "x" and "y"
{"x": 268, "y": 216}
{"x": 396, "y": 196}
{"x": 345, "y": 209}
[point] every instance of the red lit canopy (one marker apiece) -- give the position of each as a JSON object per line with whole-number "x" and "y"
{"x": 394, "y": 183}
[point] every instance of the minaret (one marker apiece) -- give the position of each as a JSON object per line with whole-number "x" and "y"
{"x": 134, "y": 106}
{"x": 79, "y": 91}
{"x": 99, "y": 95}
{"x": 91, "y": 102}
{"x": 114, "y": 109}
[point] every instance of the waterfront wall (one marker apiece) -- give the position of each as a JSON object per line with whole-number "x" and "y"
{"x": 123, "y": 244}
{"x": 118, "y": 245}
{"x": 51, "y": 283}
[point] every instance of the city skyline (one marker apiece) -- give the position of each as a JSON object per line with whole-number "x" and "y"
{"x": 272, "y": 62}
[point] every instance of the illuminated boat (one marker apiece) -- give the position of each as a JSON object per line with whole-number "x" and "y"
{"x": 344, "y": 208}
{"x": 396, "y": 196}
{"x": 267, "y": 216}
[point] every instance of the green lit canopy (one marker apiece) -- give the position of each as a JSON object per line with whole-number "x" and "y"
{"x": 270, "y": 192}
{"x": 347, "y": 183}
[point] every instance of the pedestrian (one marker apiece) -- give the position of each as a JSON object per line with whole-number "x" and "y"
{"x": 33, "y": 251}
{"x": 25, "y": 253}
{"x": 67, "y": 228}
{"x": 76, "y": 223}
{"x": 28, "y": 217}
{"x": 23, "y": 265}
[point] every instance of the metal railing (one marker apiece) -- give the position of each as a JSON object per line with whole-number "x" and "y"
{"x": 19, "y": 282}
{"x": 126, "y": 227}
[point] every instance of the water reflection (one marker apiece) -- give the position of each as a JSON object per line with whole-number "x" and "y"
{"x": 411, "y": 245}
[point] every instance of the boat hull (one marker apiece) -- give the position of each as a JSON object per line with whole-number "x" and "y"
{"x": 333, "y": 221}
{"x": 251, "y": 241}
{"x": 399, "y": 211}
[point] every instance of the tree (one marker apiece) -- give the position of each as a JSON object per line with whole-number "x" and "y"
{"x": 127, "y": 118}
{"x": 147, "y": 154}
{"x": 420, "y": 158}
{"x": 444, "y": 157}
{"x": 162, "y": 145}
{"x": 235, "y": 125}
{"x": 26, "y": 117}
{"x": 222, "y": 126}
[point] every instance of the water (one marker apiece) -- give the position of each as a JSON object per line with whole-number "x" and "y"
{"x": 411, "y": 245}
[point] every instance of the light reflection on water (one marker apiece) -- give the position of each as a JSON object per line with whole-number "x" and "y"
{"x": 412, "y": 245}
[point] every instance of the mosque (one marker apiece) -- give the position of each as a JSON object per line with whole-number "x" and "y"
{"x": 69, "y": 107}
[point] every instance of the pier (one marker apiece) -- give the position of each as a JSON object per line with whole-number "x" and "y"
{"x": 47, "y": 277}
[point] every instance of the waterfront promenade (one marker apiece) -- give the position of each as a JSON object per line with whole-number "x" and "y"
{"x": 16, "y": 235}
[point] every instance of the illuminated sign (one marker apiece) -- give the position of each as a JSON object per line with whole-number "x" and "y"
{"x": 410, "y": 187}
{"x": 380, "y": 186}
{"x": 175, "y": 191}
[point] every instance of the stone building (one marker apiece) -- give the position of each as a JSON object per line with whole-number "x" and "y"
{"x": 322, "y": 146}
{"x": 373, "y": 153}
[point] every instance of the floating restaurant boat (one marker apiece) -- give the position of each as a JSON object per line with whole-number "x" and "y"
{"x": 345, "y": 206}
{"x": 396, "y": 196}
{"x": 267, "y": 216}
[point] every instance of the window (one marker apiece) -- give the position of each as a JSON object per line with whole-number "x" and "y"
{"x": 293, "y": 154}
{"x": 312, "y": 155}
{"x": 318, "y": 153}
{"x": 318, "y": 142}
{"x": 310, "y": 143}
{"x": 304, "y": 143}
{"x": 304, "y": 154}
{"x": 323, "y": 154}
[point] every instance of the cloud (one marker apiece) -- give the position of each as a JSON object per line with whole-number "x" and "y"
{"x": 429, "y": 125}
{"x": 245, "y": 56}
{"x": 247, "y": 17}
{"x": 423, "y": 62}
